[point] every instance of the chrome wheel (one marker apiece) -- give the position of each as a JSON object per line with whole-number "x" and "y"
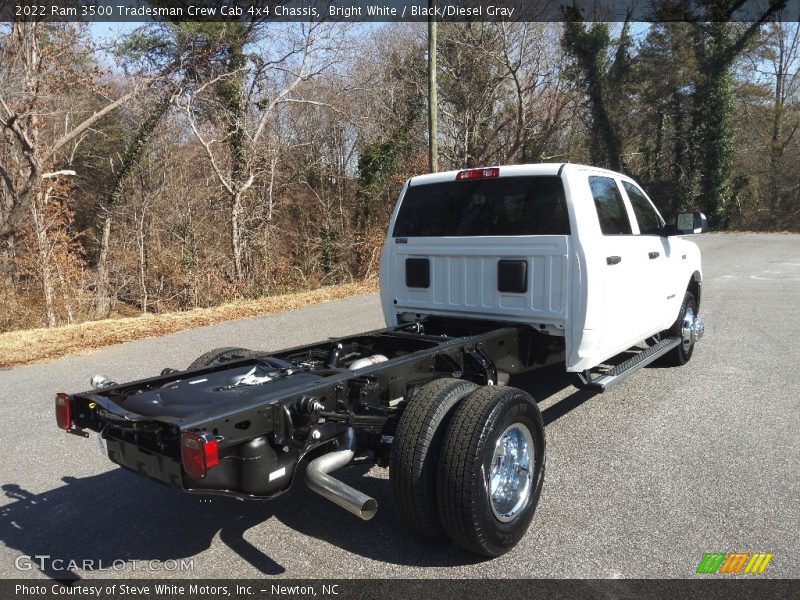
{"x": 686, "y": 328}
{"x": 511, "y": 477}
{"x": 692, "y": 328}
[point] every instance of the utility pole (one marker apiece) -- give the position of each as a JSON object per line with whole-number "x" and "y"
{"x": 433, "y": 146}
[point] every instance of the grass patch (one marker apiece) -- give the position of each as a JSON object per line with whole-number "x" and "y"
{"x": 36, "y": 345}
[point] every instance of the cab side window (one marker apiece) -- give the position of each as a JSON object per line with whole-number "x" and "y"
{"x": 610, "y": 207}
{"x": 649, "y": 221}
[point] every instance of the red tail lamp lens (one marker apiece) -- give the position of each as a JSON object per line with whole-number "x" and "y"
{"x": 63, "y": 410}
{"x": 199, "y": 452}
{"x": 478, "y": 173}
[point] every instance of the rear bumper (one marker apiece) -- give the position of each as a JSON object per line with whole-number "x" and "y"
{"x": 157, "y": 467}
{"x": 250, "y": 471}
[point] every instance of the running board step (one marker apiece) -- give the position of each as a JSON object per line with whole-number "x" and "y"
{"x": 623, "y": 370}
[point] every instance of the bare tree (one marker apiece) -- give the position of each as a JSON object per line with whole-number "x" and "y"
{"x": 28, "y": 117}
{"x": 502, "y": 96}
{"x": 783, "y": 54}
{"x": 309, "y": 49}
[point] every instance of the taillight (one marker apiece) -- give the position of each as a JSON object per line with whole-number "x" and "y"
{"x": 63, "y": 410}
{"x": 199, "y": 452}
{"x": 478, "y": 173}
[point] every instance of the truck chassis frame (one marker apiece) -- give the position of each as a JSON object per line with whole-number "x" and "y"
{"x": 266, "y": 434}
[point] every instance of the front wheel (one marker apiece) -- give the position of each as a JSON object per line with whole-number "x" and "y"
{"x": 491, "y": 471}
{"x": 683, "y": 329}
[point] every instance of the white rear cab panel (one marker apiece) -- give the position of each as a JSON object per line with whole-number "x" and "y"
{"x": 463, "y": 279}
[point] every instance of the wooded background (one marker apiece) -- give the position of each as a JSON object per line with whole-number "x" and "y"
{"x": 187, "y": 165}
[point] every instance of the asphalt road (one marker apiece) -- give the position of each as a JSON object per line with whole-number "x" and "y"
{"x": 641, "y": 481}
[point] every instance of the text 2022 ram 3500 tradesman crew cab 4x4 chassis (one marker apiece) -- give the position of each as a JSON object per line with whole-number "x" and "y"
{"x": 485, "y": 273}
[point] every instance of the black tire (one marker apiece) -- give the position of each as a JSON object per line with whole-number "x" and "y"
{"x": 415, "y": 452}
{"x": 469, "y": 516}
{"x": 680, "y": 355}
{"x": 221, "y": 355}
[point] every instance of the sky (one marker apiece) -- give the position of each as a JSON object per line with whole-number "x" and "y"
{"x": 110, "y": 31}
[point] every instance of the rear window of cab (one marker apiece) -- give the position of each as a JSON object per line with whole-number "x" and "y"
{"x": 503, "y": 206}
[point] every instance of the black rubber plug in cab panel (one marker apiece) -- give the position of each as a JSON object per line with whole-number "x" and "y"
{"x": 418, "y": 273}
{"x": 512, "y": 276}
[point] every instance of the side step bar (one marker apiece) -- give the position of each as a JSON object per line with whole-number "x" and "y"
{"x": 610, "y": 378}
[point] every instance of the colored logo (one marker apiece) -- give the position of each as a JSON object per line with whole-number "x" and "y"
{"x": 734, "y": 562}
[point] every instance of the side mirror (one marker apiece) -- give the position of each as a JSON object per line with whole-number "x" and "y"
{"x": 689, "y": 223}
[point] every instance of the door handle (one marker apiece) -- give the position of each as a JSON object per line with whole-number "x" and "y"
{"x": 613, "y": 260}
{"x": 653, "y": 255}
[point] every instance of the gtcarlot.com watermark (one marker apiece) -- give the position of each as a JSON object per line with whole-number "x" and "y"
{"x": 45, "y": 562}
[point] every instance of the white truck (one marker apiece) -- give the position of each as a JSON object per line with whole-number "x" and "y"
{"x": 573, "y": 251}
{"x": 485, "y": 273}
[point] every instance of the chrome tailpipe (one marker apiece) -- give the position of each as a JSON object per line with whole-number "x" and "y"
{"x": 348, "y": 498}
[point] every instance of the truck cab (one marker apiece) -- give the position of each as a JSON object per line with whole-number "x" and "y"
{"x": 573, "y": 251}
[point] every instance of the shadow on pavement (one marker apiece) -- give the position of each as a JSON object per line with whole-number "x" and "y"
{"x": 546, "y": 382}
{"x": 117, "y": 516}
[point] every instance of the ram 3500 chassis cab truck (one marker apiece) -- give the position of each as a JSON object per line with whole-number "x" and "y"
{"x": 485, "y": 273}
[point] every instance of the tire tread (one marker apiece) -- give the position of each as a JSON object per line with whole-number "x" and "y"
{"x": 460, "y": 481}
{"x": 414, "y": 455}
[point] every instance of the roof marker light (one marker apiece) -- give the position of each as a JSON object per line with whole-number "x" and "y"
{"x": 483, "y": 173}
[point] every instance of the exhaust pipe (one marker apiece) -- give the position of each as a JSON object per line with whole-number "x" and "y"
{"x": 348, "y": 498}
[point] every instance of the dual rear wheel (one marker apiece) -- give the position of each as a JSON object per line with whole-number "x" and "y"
{"x": 468, "y": 464}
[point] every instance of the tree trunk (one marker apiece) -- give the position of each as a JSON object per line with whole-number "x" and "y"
{"x": 43, "y": 251}
{"x": 236, "y": 241}
{"x": 67, "y": 303}
{"x": 433, "y": 103}
{"x": 657, "y": 154}
{"x": 6, "y": 257}
{"x": 715, "y": 143}
{"x": 103, "y": 302}
{"x": 776, "y": 148}
{"x": 233, "y": 97}
{"x": 143, "y": 258}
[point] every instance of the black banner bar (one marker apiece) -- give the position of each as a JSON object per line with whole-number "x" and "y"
{"x": 740, "y": 588}
{"x": 117, "y": 11}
